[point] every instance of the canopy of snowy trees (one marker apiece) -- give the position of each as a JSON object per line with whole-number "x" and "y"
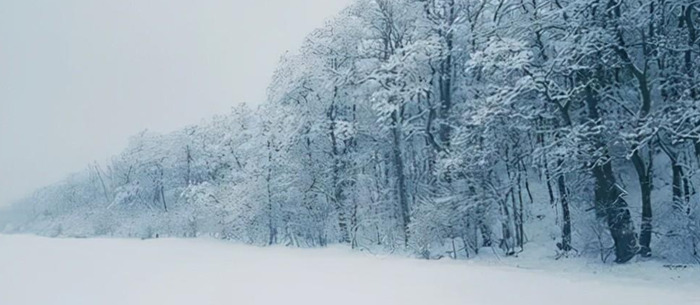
{"x": 436, "y": 127}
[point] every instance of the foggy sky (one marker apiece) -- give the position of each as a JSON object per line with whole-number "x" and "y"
{"x": 78, "y": 77}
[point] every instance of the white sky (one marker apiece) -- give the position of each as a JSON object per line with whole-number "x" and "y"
{"x": 78, "y": 77}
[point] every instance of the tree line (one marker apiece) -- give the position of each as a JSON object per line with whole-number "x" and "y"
{"x": 437, "y": 127}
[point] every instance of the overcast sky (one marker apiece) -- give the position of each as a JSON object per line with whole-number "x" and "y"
{"x": 78, "y": 77}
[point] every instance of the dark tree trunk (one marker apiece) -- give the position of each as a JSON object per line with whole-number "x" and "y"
{"x": 506, "y": 243}
{"x": 609, "y": 203}
{"x": 271, "y": 225}
{"x": 519, "y": 219}
{"x": 689, "y": 66}
{"x": 561, "y": 185}
{"x": 548, "y": 177}
{"x": 486, "y": 240}
{"x": 397, "y": 159}
{"x": 678, "y": 202}
{"x": 188, "y": 153}
{"x": 445, "y": 80}
{"x": 643, "y": 169}
{"x": 338, "y": 169}
{"x": 679, "y": 187}
{"x": 646, "y": 184}
{"x": 566, "y": 214}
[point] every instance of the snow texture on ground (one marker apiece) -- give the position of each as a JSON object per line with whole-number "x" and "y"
{"x": 37, "y": 270}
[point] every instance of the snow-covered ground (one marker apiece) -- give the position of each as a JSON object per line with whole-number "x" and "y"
{"x": 37, "y": 270}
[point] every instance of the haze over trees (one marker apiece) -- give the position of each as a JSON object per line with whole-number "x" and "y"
{"x": 435, "y": 127}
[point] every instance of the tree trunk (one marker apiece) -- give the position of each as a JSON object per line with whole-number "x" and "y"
{"x": 609, "y": 203}
{"x": 271, "y": 225}
{"x": 506, "y": 243}
{"x": 445, "y": 79}
{"x": 338, "y": 166}
{"x": 397, "y": 158}
{"x": 646, "y": 184}
{"x": 644, "y": 174}
{"x": 688, "y": 58}
{"x": 678, "y": 202}
{"x": 566, "y": 214}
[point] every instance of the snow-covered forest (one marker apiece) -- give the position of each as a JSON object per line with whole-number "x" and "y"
{"x": 438, "y": 128}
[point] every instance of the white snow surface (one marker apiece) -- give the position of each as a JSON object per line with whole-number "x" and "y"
{"x": 37, "y": 270}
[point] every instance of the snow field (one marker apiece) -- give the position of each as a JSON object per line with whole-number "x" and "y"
{"x": 37, "y": 270}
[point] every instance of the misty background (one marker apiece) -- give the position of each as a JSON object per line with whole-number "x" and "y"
{"x": 79, "y": 77}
